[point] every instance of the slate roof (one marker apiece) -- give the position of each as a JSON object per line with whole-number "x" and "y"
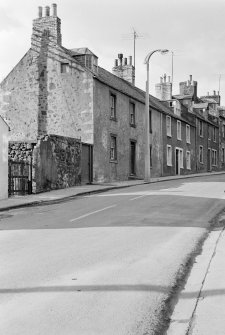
{"x": 134, "y": 92}
{"x": 210, "y": 100}
{"x": 201, "y": 105}
{"x": 183, "y": 96}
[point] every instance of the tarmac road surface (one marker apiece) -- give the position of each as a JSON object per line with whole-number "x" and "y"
{"x": 103, "y": 264}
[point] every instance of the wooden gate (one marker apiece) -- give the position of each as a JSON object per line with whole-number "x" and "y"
{"x": 86, "y": 164}
{"x": 20, "y": 177}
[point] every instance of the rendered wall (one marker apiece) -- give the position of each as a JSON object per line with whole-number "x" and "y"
{"x": 3, "y": 160}
{"x": 104, "y": 169}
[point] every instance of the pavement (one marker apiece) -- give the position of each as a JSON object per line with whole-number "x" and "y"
{"x": 200, "y": 307}
{"x": 60, "y": 195}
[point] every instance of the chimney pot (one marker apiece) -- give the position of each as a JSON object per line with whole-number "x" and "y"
{"x": 164, "y": 78}
{"x": 190, "y": 77}
{"x": 40, "y": 12}
{"x": 54, "y": 9}
{"x": 47, "y": 11}
{"x": 207, "y": 93}
{"x": 214, "y": 92}
{"x": 161, "y": 80}
{"x": 130, "y": 60}
{"x": 168, "y": 79}
{"x": 218, "y": 92}
{"x": 120, "y": 56}
{"x": 125, "y": 61}
{"x": 116, "y": 63}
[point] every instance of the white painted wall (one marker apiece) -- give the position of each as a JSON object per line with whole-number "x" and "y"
{"x": 4, "y": 134}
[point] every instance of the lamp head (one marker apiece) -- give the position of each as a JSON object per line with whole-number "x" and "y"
{"x": 164, "y": 51}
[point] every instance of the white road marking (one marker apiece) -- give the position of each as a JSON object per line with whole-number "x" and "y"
{"x": 85, "y": 215}
{"x": 140, "y": 196}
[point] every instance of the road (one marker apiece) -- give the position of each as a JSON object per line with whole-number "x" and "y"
{"x": 102, "y": 264}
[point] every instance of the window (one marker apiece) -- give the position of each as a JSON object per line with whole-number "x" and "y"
{"x": 132, "y": 114}
{"x": 65, "y": 68}
{"x": 169, "y": 155}
{"x": 223, "y": 155}
{"x": 188, "y": 134}
{"x": 150, "y": 121}
{"x": 214, "y": 134}
{"x": 209, "y": 132}
{"x": 201, "y": 154}
{"x": 178, "y": 130}
{"x": 223, "y": 130}
{"x": 113, "y": 148}
{"x": 188, "y": 160}
{"x": 200, "y": 128}
{"x": 214, "y": 157}
{"x": 113, "y": 106}
{"x": 168, "y": 125}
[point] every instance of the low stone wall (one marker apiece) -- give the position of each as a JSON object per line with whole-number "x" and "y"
{"x": 20, "y": 151}
{"x": 57, "y": 162}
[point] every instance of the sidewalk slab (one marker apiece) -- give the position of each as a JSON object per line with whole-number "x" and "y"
{"x": 200, "y": 308}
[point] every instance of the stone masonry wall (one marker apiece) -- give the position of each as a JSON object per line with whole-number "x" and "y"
{"x": 19, "y": 99}
{"x": 57, "y": 162}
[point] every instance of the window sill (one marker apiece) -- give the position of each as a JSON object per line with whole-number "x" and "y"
{"x": 113, "y": 119}
{"x": 113, "y": 161}
{"x": 133, "y": 125}
{"x": 169, "y": 135}
{"x": 169, "y": 165}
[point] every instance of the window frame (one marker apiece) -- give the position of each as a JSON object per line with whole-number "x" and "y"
{"x": 200, "y": 128}
{"x": 188, "y": 133}
{"x": 214, "y": 134}
{"x": 64, "y": 65}
{"x": 169, "y": 157}
{"x": 113, "y": 139}
{"x": 188, "y": 162}
{"x": 223, "y": 155}
{"x": 112, "y": 106}
{"x": 132, "y": 112}
{"x": 179, "y": 130}
{"x": 168, "y": 133}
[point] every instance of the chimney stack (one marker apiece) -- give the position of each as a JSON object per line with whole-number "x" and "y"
{"x": 123, "y": 69}
{"x": 52, "y": 24}
{"x": 163, "y": 90}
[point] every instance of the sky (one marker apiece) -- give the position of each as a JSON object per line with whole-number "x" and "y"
{"x": 194, "y": 30}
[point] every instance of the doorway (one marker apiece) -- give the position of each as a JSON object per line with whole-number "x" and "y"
{"x": 132, "y": 158}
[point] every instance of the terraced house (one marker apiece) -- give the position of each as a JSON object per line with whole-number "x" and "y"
{"x": 74, "y": 122}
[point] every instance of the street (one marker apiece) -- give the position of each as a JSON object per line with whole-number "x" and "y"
{"x": 102, "y": 264}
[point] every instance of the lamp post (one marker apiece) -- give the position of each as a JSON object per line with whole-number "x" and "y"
{"x": 147, "y": 138}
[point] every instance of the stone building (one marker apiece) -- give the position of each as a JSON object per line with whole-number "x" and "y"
{"x": 4, "y": 135}
{"x": 78, "y": 117}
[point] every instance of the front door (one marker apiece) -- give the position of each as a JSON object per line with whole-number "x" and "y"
{"x": 177, "y": 161}
{"x": 132, "y": 158}
{"x": 209, "y": 160}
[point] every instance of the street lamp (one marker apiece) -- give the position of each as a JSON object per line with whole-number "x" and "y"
{"x": 147, "y": 138}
